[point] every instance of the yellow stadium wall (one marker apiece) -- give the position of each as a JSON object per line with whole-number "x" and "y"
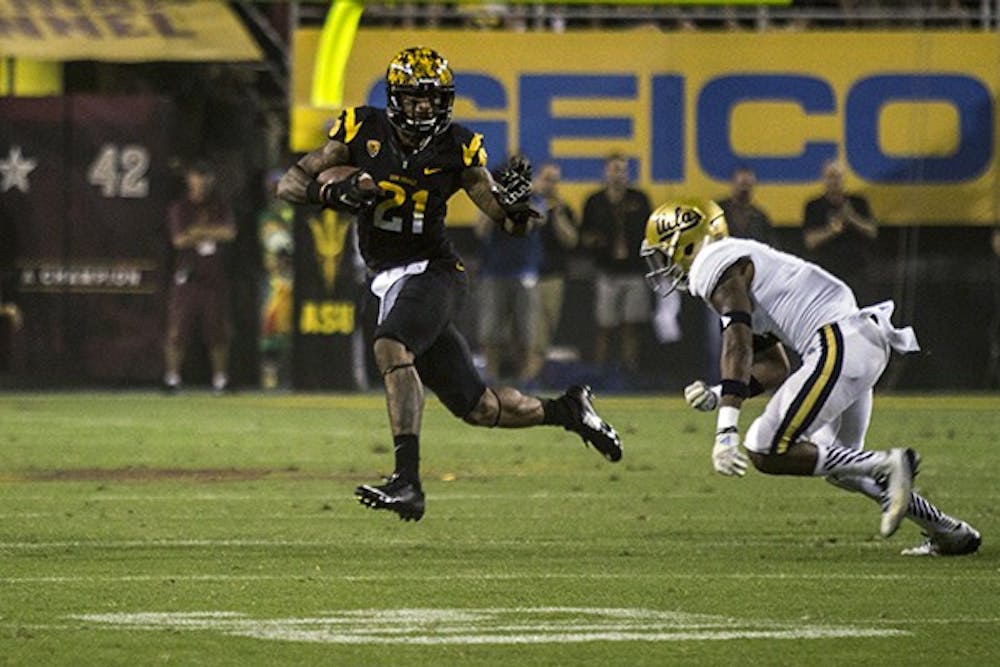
{"x": 912, "y": 114}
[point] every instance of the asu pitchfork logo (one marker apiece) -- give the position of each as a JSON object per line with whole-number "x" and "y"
{"x": 329, "y": 233}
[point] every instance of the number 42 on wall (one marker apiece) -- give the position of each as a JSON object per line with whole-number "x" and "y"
{"x": 121, "y": 171}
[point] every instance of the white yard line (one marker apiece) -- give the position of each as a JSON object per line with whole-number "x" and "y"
{"x": 428, "y": 627}
{"x": 566, "y": 638}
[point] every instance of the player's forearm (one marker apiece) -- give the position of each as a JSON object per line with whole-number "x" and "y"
{"x": 736, "y": 363}
{"x": 477, "y": 184}
{"x": 294, "y": 184}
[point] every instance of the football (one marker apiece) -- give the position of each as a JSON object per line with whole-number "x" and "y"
{"x": 342, "y": 172}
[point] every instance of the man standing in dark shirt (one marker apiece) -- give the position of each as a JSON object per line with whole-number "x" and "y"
{"x": 411, "y": 160}
{"x": 201, "y": 225}
{"x": 839, "y": 232}
{"x": 744, "y": 218}
{"x": 613, "y": 224}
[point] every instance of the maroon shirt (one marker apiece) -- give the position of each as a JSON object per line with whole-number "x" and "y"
{"x": 203, "y": 265}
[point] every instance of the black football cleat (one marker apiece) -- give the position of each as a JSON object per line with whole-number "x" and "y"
{"x": 588, "y": 424}
{"x": 961, "y": 541}
{"x": 402, "y": 496}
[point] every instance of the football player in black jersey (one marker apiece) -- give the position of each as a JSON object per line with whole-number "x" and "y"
{"x": 419, "y": 159}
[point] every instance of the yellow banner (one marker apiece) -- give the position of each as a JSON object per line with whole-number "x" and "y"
{"x": 123, "y": 30}
{"x": 912, "y": 114}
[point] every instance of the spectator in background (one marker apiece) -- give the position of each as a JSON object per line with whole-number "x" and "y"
{"x": 201, "y": 225}
{"x": 614, "y": 220}
{"x": 839, "y": 232}
{"x": 508, "y": 303}
{"x": 274, "y": 229}
{"x": 746, "y": 220}
{"x": 559, "y": 236}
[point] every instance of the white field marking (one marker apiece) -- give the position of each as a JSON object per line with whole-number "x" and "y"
{"x": 362, "y": 578}
{"x": 518, "y": 625}
{"x": 567, "y": 638}
{"x": 931, "y": 621}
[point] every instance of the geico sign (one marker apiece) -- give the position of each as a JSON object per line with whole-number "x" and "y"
{"x": 862, "y": 104}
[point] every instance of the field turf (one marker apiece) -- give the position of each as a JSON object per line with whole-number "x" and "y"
{"x": 139, "y": 529}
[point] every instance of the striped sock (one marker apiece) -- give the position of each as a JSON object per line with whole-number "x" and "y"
{"x": 837, "y": 460}
{"x": 920, "y": 510}
{"x": 927, "y": 516}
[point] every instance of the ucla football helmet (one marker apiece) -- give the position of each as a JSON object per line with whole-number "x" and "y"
{"x": 419, "y": 73}
{"x": 675, "y": 234}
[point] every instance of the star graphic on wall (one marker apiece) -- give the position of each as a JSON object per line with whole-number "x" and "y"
{"x": 15, "y": 169}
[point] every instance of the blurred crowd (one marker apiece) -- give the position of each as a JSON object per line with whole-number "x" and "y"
{"x": 798, "y": 15}
{"x": 527, "y": 336}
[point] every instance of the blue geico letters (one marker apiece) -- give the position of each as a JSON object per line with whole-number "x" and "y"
{"x": 539, "y": 126}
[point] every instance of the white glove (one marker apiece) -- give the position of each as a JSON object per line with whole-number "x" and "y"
{"x": 701, "y": 397}
{"x": 726, "y": 455}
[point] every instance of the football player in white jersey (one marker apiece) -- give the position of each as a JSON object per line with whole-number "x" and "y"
{"x": 815, "y": 423}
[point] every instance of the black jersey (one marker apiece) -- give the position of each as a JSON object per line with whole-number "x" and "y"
{"x": 408, "y": 225}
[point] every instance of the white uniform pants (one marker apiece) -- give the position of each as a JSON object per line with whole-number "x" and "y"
{"x": 828, "y": 400}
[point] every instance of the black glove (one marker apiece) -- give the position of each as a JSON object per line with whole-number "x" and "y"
{"x": 348, "y": 195}
{"x": 512, "y": 184}
{"x": 512, "y": 190}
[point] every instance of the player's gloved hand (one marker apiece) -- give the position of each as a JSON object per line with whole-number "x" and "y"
{"x": 353, "y": 194}
{"x": 726, "y": 455}
{"x": 702, "y": 397}
{"x": 520, "y": 219}
{"x": 512, "y": 190}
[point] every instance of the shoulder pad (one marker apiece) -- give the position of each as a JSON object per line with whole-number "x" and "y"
{"x": 473, "y": 148}
{"x": 348, "y": 123}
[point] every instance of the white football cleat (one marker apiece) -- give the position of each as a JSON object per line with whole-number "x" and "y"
{"x": 962, "y": 541}
{"x": 900, "y": 468}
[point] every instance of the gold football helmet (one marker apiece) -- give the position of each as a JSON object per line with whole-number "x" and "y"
{"x": 419, "y": 72}
{"x": 675, "y": 233}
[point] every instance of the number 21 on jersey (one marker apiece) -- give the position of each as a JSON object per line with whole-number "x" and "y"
{"x": 388, "y": 214}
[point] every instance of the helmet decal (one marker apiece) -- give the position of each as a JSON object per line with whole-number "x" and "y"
{"x": 417, "y": 65}
{"x": 675, "y": 233}
{"x": 419, "y": 75}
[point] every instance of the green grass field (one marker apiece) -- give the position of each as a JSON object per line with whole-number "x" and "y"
{"x": 137, "y": 529}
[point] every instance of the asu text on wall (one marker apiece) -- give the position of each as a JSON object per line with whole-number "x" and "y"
{"x": 911, "y": 114}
